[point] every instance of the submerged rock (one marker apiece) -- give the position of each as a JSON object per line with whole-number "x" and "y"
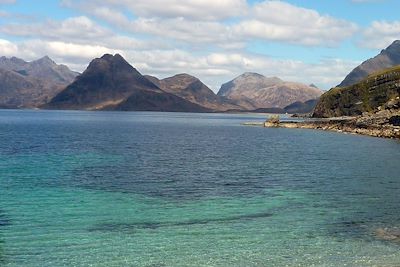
{"x": 388, "y": 233}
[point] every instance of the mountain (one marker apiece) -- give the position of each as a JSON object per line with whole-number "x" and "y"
{"x": 111, "y": 83}
{"x": 31, "y": 84}
{"x": 373, "y": 93}
{"x": 44, "y": 69}
{"x": 388, "y": 57}
{"x": 193, "y": 90}
{"x": 254, "y": 91}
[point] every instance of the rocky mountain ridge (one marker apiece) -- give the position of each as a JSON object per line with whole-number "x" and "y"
{"x": 30, "y": 84}
{"x": 387, "y": 58}
{"x": 253, "y": 91}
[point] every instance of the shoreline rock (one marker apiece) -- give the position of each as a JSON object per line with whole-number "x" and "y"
{"x": 381, "y": 124}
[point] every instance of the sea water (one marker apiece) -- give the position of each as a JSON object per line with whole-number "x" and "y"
{"x": 180, "y": 189}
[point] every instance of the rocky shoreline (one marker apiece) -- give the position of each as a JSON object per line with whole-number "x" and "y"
{"x": 384, "y": 124}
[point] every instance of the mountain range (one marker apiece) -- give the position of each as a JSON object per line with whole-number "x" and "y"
{"x": 31, "y": 84}
{"x": 111, "y": 83}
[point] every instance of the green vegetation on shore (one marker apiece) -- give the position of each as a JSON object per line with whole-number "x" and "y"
{"x": 366, "y": 96}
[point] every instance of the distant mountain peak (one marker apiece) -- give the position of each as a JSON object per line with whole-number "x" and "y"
{"x": 395, "y": 43}
{"x": 387, "y": 58}
{"x": 184, "y": 75}
{"x": 31, "y": 84}
{"x": 114, "y": 58}
{"x": 112, "y": 63}
{"x": 246, "y": 74}
{"x": 45, "y": 60}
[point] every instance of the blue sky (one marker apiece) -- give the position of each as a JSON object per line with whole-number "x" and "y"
{"x": 313, "y": 41}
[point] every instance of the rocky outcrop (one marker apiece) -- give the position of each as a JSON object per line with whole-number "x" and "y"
{"x": 31, "y": 84}
{"x": 369, "y": 95}
{"x": 388, "y": 234}
{"x": 253, "y": 91}
{"x": 388, "y": 57}
{"x": 381, "y": 124}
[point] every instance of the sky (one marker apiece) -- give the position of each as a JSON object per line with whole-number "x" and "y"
{"x": 308, "y": 41}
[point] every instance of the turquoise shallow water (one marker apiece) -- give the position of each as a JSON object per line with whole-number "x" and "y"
{"x": 175, "y": 189}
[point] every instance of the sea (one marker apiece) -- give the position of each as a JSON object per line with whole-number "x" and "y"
{"x": 149, "y": 189}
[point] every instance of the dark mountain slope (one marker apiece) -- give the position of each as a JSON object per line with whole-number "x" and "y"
{"x": 388, "y": 57}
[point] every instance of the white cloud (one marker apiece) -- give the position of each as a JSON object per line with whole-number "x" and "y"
{"x": 7, "y": 48}
{"x": 281, "y": 21}
{"x": 81, "y": 30}
{"x": 74, "y": 27}
{"x": 193, "y": 9}
{"x": 67, "y": 50}
{"x": 380, "y": 34}
{"x": 181, "y": 29}
{"x": 197, "y": 21}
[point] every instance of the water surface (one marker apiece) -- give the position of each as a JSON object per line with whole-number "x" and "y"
{"x": 178, "y": 189}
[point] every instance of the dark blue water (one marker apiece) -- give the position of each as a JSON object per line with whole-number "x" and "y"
{"x": 176, "y": 189}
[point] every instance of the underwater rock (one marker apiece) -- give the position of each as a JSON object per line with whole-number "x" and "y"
{"x": 388, "y": 233}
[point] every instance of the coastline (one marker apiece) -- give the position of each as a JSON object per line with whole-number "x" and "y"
{"x": 381, "y": 124}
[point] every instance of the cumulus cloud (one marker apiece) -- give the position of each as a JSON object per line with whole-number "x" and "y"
{"x": 80, "y": 30}
{"x": 75, "y": 27}
{"x": 203, "y": 21}
{"x": 281, "y": 21}
{"x": 380, "y": 34}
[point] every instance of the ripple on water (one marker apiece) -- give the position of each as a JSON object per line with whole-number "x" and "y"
{"x": 130, "y": 227}
{"x": 4, "y": 221}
